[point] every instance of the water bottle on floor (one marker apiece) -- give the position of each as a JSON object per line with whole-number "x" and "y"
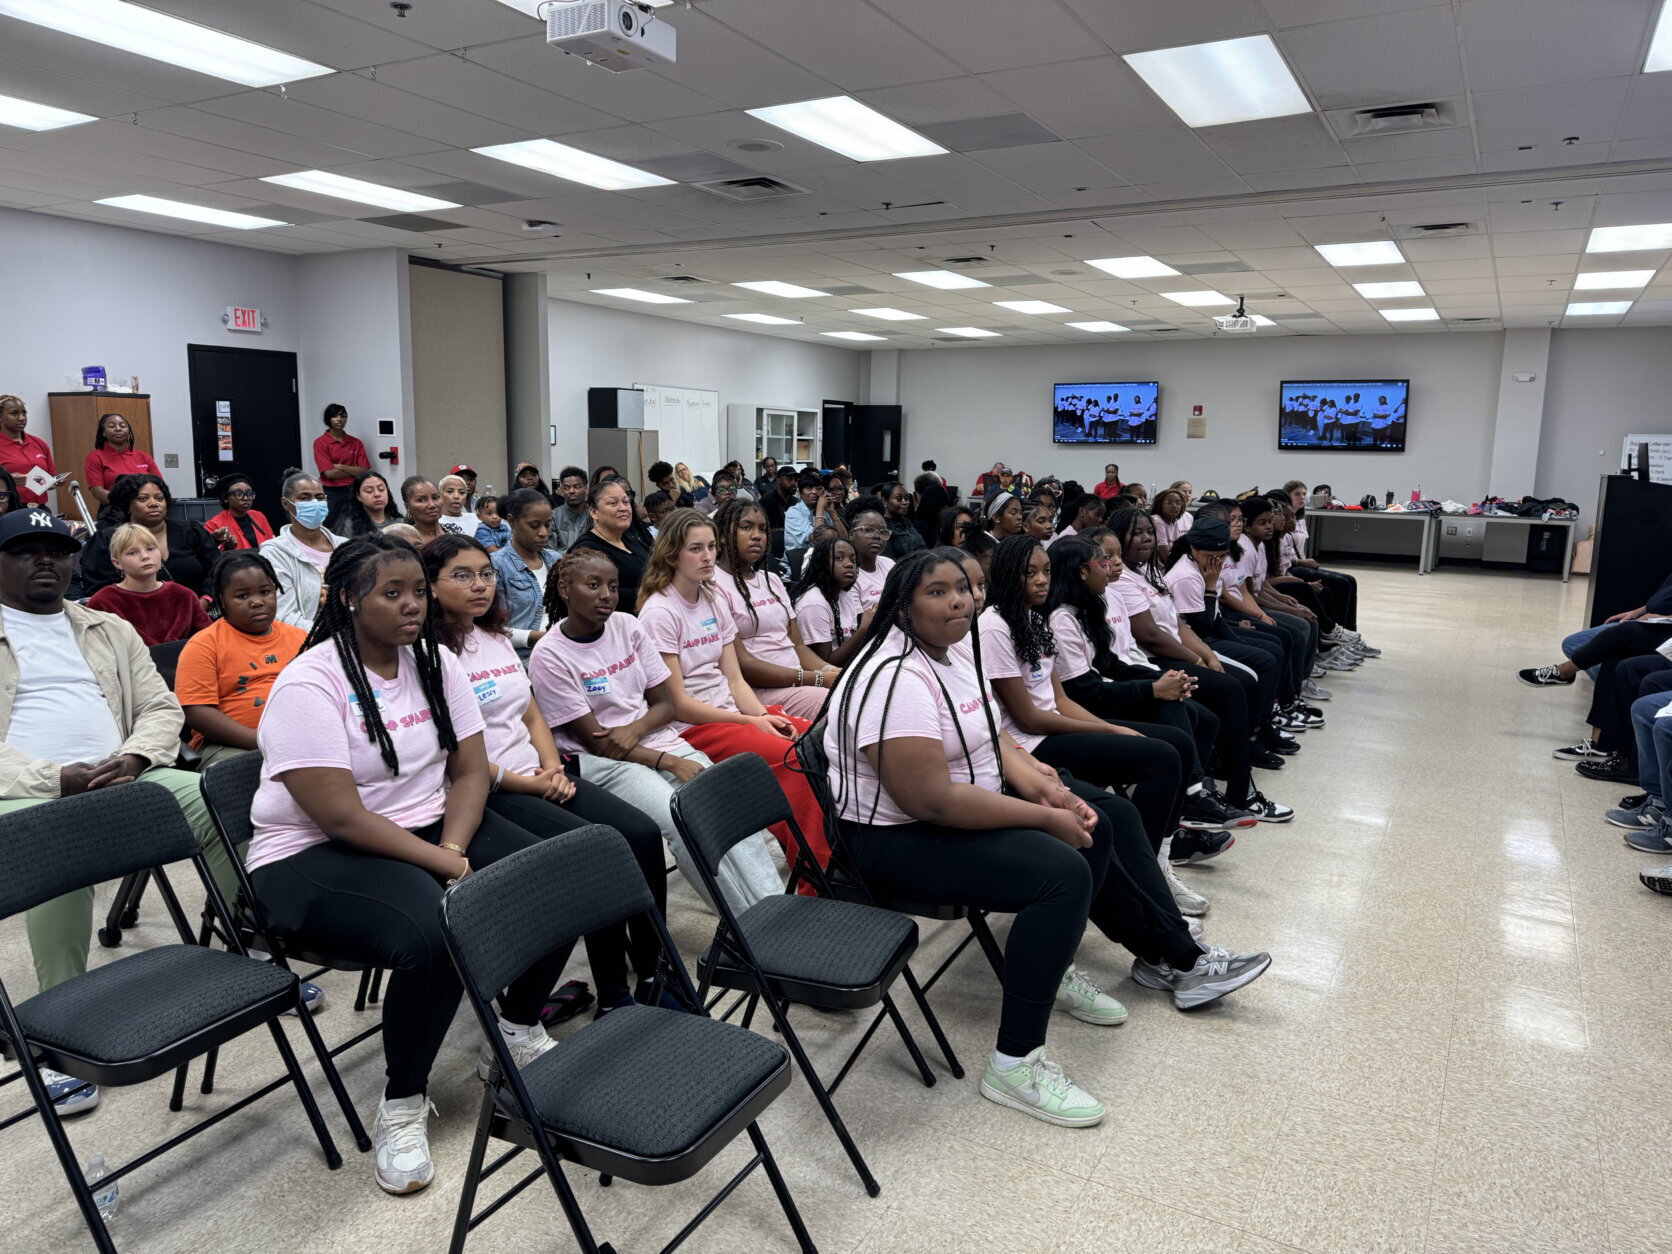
{"x": 107, "y": 1198}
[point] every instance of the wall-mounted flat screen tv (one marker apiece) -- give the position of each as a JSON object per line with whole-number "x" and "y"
{"x": 1104, "y": 413}
{"x": 1355, "y": 415}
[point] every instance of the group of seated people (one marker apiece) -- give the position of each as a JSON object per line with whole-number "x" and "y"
{"x": 1040, "y": 708}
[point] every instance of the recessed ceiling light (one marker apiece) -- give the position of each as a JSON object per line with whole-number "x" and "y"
{"x": 1626, "y": 239}
{"x": 770, "y": 320}
{"x": 634, "y": 293}
{"x": 1376, "y": 252}
{"x": 842, "y": 124}
{"x": 1601, "y": 280}
{"x": 1199, "y": 298}
{"x": 1596, "y": 308}
{"x": 563, "y": 162}
{"x": 1423, "y": 313}
{"x": 969, "y": 333}
{"x": 946, "y": 280}
{"x": 772, "y": 287}
{"x": 192, "y": 213}
{"x": 147, "y": 33}
{"x": 1133, "y": 267}
{"x": 323, "y": 183}
{"x": 852, "y": 335}
{"x": 1231, "y": 80}
{"x": 1099, "y": 328}
{"x": 1389, "y": 291}
{"x": 890, "y": 315}
{"x": 28, "y": 116}
{"x": 1030, "y": 306}
{"x": 1659, "y": 56}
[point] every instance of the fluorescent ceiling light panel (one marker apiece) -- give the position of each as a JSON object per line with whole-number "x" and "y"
{"x": 1377, "y": 252}
{"x": 634, "y": 293}
{"x": 770, "y": 320}
{"x": 341, "y": 187}
{"x": 842, "y": 124}
{"x": 790, "y": 291}
{"x": 1133, "y": 267}
{"x": 1424, "y": 313}
{"x": 946, "y": 280}
{"x": 148, "y": 33}
{"x": 192, "y": 213}
{"x": 1626, "y": 239}
{"x": 1389, "y": 291}
{"x": 1031, "y": 306}
{"x": 1199, "y": 298}
{"x": 563, "y": 162}
{"x": 1659, "y": 56}
{"x": 1602, "y": 280}
{"x": 969, "y": 333}
{"x": 1232, "y": 80}
{"x": 890, "y": 315}
{"x": 1598, "y": 308}
{"x": 1098, "y": 328}
{"x": 26, "y": 115}
{"x": 1260, "y": 320}
{"x": 852, "y": 335}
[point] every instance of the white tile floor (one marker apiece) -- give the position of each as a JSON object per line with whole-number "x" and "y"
{"x": 1458, "y": 1047}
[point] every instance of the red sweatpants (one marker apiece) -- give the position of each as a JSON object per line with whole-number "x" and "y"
{"x": 723, "y": 740}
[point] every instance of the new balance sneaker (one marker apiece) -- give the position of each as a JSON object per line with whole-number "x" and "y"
{"x": 1205, "y": 810}
{"x": 68, "y": 1095}
{"x": 1365, "y": 650}
{"x": 1312, "y": 692}
{"x": 1318, "y": 672}
{"x": 1266, "y": 810}
{"x": 1195, "y": 926}
{"x": 1337, "y": 660}
{"x": 1647, "y": 813}
{"x": 1037, "y": 1086}
{"x": 313, "y": 998}
{"x": 1189, "y": 902}
{"x": 1656, "y": 839}
{"x": 400, "y": 1137}
{"x": 1216, "y": 973}
{"x": 1341, "y": 635}
{"x": 1543, "y": 677}
{"x": 1086, "y": 1002}
{"x": 1613, "y": 767}
{"x": 1188, "y": 848}
{"x": 524, "y": 1050}
{"x": 1658, "y": 878}
{"x": 1584, "y": 751}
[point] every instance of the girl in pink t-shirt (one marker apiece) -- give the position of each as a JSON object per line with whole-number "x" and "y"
{"x": 868, "y": 529}
{"x": 372, "y": 799}
{"x": 827, "y": 610}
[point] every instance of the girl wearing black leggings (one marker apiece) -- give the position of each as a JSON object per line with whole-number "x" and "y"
{"x": 372, "y": 799}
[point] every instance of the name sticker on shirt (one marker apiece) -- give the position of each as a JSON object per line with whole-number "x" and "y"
{"x": 596, "y": 685}
{"x": 486, "y": 692}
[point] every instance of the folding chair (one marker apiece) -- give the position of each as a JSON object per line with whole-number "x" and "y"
{"x": 138, "y": 1017}
{"x": 810, "y": 951}
{"x": 645, "y": 1093}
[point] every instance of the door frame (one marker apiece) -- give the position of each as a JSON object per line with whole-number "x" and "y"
{"x": 191, "y": 391}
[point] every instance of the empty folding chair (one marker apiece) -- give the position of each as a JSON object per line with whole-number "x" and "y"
{"x": 138, "y": 1017}
{"x": 646, "y": 1093}
{"x": 810, "y": 951}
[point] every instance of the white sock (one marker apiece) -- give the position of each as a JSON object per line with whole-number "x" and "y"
{"x": 1004, "y": 1062}
{"x": 514, "y": 1033}
{"x": 1195, "y": 790}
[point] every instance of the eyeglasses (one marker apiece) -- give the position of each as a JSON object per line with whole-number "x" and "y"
{"x": 465, "y": 578}
{"x": 869, "y": 531}
{"x": 1103, "y": 562}
{"x": 242, "y": 494}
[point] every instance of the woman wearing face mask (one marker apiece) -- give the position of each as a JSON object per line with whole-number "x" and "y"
{"x": 186, "y": 549}
{"x": 370, "y": 507}
{"x": 301, "y": 550}
{"x": 113, "y": 454}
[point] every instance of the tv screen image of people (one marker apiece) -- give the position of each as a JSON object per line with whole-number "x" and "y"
{"x": 1104, "y": 413}
{"x": 1358, "y": 415}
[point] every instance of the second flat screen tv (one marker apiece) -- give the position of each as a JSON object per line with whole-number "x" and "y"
{"x": 1104, "y": 413}
{"x": 1356, "y": 415}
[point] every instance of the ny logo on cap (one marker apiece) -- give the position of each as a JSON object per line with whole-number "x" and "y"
{"x": 40, "y": 518}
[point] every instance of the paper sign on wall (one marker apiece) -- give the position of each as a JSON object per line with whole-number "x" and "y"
{"x": 1660, "y": 456}
{"x": 223, "y": 430}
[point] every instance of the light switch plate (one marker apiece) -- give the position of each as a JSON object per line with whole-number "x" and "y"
{"x": 171, "y": 461}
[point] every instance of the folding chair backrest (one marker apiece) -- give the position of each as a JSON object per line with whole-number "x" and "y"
{"x": 59, "y": 846}
{"x": 505, "y": 916}
{"x": 166, "y": 658}
{"x": 229, "y": 786}
{"x": 728, "y": 802}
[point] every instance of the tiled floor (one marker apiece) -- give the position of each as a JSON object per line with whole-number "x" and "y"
{"x": 1460, "y": 1044}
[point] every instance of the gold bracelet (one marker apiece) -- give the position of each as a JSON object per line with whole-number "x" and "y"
{"x": 447, "y": 844}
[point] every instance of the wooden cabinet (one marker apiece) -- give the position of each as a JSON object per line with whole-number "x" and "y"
{"x": 75, "y": 421}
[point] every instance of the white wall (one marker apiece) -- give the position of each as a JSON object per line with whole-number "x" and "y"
{"x": 76, "y": 294}
{"x": 593, "y": 347}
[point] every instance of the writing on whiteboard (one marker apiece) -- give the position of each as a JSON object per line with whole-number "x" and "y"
{"x": 1660, "y": 456}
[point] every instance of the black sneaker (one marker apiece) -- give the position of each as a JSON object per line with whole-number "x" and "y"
{"x": 1264, "y": 758}
{"x": 1204, "y": 811}
{"x": 1267, "y": 810}
{"x": 1287, "y": 746}
{"x": 1614, "y": 767}
{"x": 1584, "y": 751}
{"x": 1237, "y": 814}
{"x": 1543, "y": 677}
{"x": 1189, "y": 848}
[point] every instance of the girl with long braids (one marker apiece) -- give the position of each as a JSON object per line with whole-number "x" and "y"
{"x": 827, "y": 610}
{"x": 868, "y": 529}
{"x": 715, "y": 711}
{"x": 373, "y": 798}
{"x": 1039, "y": 520}
{"x": 775, "y": 663}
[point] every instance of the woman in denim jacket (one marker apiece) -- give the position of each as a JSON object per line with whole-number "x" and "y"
{"x": 522, "y": 565}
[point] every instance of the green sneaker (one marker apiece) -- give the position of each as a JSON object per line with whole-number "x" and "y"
{"x": 1086, "y": 1002}
{"x": 1037, "y": 1086}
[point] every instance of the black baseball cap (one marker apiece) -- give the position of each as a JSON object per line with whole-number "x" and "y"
{"x": 35, "y": 521}
{"x": 788, "y": 468}
{"x": 1210, "y": 535}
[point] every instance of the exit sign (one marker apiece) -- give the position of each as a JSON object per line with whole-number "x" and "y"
{"x": 239, "y": 319}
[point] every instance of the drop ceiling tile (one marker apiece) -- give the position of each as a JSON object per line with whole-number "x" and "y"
{"x": 717, "y": 61}
{"x": 476, "y": 89}
{"x": 1194, "y": 189}
{"x": 1304, "y": 12}
{"x": 1426, "y": 169}
{"x": 1537, "y": 243}
{"x": 1135, "y": 25}
{"x": 1447, "y": 141}
{"x": 1455, "y": 287}
{"x": 73, "y": 144}
{"x": 1472, "y": 268}
{"x": 1548, "y": 115}
{"x": 595, "y": 96}
{"x": 452, "y": 25}
{"x": 1626, "y": 208}
{"x": 362, "y": 98}
{"x": 1284, "y": 180}
{"x": 1451, "y": 248}
{"x": 1159, "y": 156}
{"x": 296, "y": 117}
{"x": 1272, "y": 237}
{"x": 1549, "y": 283}
{"x": 1389, "y": 58}
{"x": 1517, "y": 43}
{"x": 1294, "y": 143}
{"x": 1544, "y": 264}
{"x": 847, "y": 41}
{"x": 1077, "y": 99}
{"x": 1275, "y": 259}
{"x": 983, "y": 35}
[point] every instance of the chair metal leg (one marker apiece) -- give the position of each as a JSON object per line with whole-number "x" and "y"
{"x": 67, "y": 1161}
{"x": 946, "y": 964}
{"x": 911, "y": 1042}
{"x": 365, "y": 984}
{"x": 124, "y": 909}
{"x": 825, "y": 1104}
{"x": 791, "y": 1212}
{"x": 208, "y": 1084}
{"x": 328, "y": 1065}
{"x": 333, "y": 1157}
{"x": 177, "y": 1099}
{"x": 749, "y": 1010}
{"x": 473, "y": 1173}
{"x": 933, "y": 1021}
{"x": 377, "y": 985}
{"x": 989, "y": 946}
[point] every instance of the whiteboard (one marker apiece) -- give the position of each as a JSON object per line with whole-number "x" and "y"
{"x": 1660, "y": 455}
{"x": 687, "y": 423}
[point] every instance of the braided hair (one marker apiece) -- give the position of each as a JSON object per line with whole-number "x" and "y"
{"x": 818, "y": 575}
{"x": 727, "y": 519}
{"x": 1029, "y": 632}
{"x": 1069, "y": 591}
{"x": 573, "y": 560}
{"x": 349, "y": 576}
{"x": 229, "y": 564}
{"x": 1125, "y": 524}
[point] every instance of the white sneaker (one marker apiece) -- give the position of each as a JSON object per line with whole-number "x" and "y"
{"x": 1086, "y": 1002}
{"x": 1195, "y": 926}
{"x": 1037, "y": 1086}
{"x": 523, "y": 1051}
{"x": 1186, "y": 899}
{"x": 401, "y": 1140}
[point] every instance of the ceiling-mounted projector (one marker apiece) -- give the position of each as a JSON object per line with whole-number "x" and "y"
{"x": 616, "y": 34}
{"x": 1238, "y": 322}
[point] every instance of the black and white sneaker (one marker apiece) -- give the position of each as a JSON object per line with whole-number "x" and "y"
{"x": 1238, "y": 817}
{"x": 1584, "y": 751}
{"x": 1188, "y": 848}
{"x": 1266, "y": 810}
{"x": 1611, "y": 766}
{"x": 1543, "y": 677}
{"x": 1205, "y": 811}
{"x": 1658, "y": 878}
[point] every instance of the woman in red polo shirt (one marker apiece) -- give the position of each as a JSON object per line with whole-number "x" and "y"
{"x": 339, "y": 456}
{"x": 21, "y": 452}
{"x": 114, "y": 454}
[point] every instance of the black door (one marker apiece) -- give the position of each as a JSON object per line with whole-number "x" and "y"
{"x": 245, "y": 416}
{"x": 834, "y": 433}
{"x": 874, "y": 443}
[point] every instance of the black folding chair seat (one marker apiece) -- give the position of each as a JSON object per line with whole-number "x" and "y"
{"x": 817, "y": 951}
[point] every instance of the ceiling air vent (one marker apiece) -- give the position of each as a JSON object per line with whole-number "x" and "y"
{"x": 1435, "y": 230}
{"x": 758, "y": 187}
{"x": 965, "y": 262}
{"x": 683, "y": 279}
{"x": 1399, "y": 119}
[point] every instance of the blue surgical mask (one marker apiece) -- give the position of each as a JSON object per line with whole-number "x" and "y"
{"x": 311, "y": 514}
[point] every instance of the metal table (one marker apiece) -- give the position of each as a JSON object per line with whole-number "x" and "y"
{"x": 1427, "y": 546}
{"x": 1506, "y": 520}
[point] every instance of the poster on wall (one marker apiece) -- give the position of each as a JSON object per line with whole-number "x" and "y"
{"x": 687, "y": 422}
{"x": 223, "y": 430}
{"x": 1660, "y": 456}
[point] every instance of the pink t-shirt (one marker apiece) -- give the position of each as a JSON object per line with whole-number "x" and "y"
{"x": 1063, "y": 534}
{"x": 697, "y": 635}
{"x": 314, "y": 557}
{"x": 313, "y": 719}
{"x": 817, "y": 622}
{"x": 1255, "y": 564}
{"x": 1133, "y": 593}
{"x": 1188, "y": 587}
{"x": 932, "y": 701}
{"x": 607, "y": 676}
{"x": 767, "y": 635}
{"x": 999, "y": 660}
{"x": 1074, "y": 652}
{"x": 502, "y": 693}
{"x": 1167, "y": 532}
{"x": 869, "y": 584}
